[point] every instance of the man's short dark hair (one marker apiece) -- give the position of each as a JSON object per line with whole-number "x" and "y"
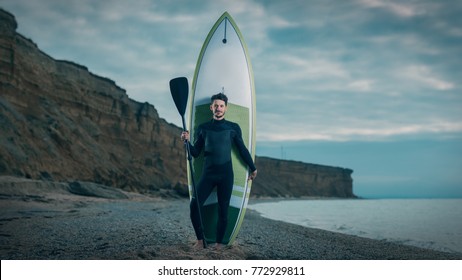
{"x": 220, "y": 96}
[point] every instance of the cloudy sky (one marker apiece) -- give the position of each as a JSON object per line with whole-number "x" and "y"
{"x": 372, "y": 85}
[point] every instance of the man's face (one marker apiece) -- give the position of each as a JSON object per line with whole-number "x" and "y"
{"x": 218, "y": 108}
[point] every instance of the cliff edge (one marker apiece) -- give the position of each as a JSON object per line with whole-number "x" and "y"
{"x": 60, "y": 122}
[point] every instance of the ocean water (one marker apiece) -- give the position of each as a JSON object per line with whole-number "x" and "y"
{"x": 427, "y": 223}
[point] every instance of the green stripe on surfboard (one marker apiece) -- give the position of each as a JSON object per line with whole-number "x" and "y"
{"x": 239, "y": 115}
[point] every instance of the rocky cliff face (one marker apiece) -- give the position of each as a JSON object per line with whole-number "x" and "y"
{"x": 59, "y": 122}
{"x": 280, "y": 178}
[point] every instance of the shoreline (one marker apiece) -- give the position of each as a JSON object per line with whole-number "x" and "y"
{"x": 48, "y": 222}
{"x": 439, "y": 237}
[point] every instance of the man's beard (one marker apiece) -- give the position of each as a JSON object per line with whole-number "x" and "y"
{"x": 219, "y": 114}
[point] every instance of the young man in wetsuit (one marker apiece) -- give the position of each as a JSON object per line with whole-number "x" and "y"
{"x": 215, "y": 138}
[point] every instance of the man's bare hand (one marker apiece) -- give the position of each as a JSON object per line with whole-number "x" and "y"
{"x": 253, "y": 175}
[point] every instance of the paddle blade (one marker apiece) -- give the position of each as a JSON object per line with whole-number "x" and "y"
{"x": 179, "y": 89}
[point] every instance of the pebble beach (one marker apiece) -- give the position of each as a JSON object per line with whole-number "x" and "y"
{"x": 46, "y": 221}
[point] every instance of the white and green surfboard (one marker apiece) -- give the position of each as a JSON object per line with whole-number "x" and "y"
{"x": 224, "y": 66}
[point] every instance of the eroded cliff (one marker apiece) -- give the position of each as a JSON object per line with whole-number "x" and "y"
{"x": 282, "y": 178}
{"x": 60, "y": 122}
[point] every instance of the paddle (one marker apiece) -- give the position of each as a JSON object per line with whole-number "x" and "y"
{"x": 179, "y": 90}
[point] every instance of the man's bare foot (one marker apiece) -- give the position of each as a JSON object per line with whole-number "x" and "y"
{"x": 199, "y": 244}
{"x": 219, "y": 246}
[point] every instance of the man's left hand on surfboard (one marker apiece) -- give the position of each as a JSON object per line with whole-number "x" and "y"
{"x": 252, "y": 175}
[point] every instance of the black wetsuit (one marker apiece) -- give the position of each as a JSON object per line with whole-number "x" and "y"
{"x": 216, "y": 138}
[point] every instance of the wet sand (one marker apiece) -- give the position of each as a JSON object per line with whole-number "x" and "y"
{"x": 45, "y": 220}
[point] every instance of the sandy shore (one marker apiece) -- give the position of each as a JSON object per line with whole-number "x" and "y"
{"x": 46, "y": 221}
